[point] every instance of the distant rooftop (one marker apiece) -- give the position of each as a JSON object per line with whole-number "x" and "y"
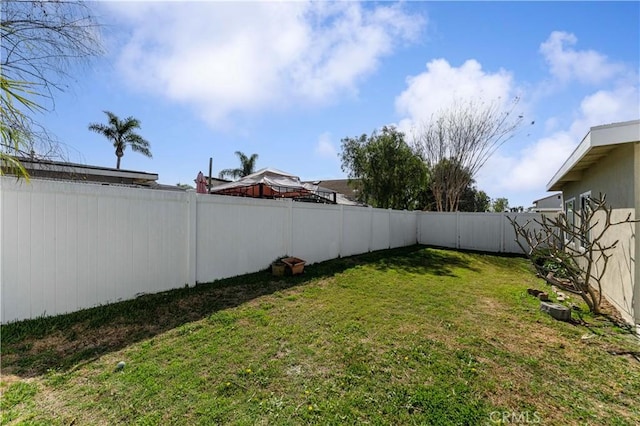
{"x": 60, "y": 170}
{"x": 342, "y": 186}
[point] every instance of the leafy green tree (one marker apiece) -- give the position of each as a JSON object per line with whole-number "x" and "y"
{"x": 471, "y": 199}
{"x": 390, "y": 173}
{"x": 500, "y": 205}
{"x": 474, "y": 200}
{"x": 247, "y": 166}
{"x": 122, "y": 133}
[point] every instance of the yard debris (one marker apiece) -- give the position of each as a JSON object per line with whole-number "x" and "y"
{"x": 294, "y": 265}
{"x": 556, "y": 310}
{"x": 288, "y": 265}
{"x": 543, "y": 296}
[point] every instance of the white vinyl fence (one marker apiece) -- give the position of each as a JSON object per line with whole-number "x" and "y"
{"x": 489, "y": 232}
{"x": 67, "y": 246}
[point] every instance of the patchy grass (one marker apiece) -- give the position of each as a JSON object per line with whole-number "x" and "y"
{"x": 408, "y": 336}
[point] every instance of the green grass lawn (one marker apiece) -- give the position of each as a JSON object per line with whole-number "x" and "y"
{"x": 408, "y": 336}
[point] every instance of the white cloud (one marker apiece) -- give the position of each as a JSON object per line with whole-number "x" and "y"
{"x": 607, "y": 106}
{"x": 534, "y": 165}
{"x": 441, "y": 85}
{"x": 224, "y": 57}
{"x": 566, "y": 63}
{"x": 527, "y": 169}
{"x": 325, "y": 148}
{"x": 539, "y": 162}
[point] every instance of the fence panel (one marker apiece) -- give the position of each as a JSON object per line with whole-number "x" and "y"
{"x": 481, "y": 231}
{"x": 381, "y": 229}
{"x": 65, "y": 246}
{"x": 237, "y": 236}
{"x": 510, "y": 244}
{"x": 68, "y": 246}
{"x": 491, "y": 232}
{"x": 316, "y": 231}
{"x": 403, "y": 227}
{"x": 438, "y": 229}
{"x": 356, "y": 230}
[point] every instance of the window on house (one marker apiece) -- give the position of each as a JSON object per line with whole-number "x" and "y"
{"x": 585, "y": 209}
{"x": 570, "y": 215}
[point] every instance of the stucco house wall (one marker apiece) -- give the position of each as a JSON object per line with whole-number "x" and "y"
{"x": 607, "y": 161}
{"x": 615, "y": 177}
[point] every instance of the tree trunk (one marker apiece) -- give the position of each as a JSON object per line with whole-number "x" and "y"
{"x": 119, "y": 154}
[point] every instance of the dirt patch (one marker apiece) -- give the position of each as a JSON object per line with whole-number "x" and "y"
{"x": 7, "y": 380}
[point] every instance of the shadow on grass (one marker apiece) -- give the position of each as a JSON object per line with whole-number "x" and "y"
{"x": 33, "y": 347}
{"x": 427, "y": 260}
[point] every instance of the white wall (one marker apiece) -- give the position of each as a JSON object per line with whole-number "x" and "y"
{"x": 236, "y": 236}
{"x": 490, "y": 232}
{"x": 438, "y": 229}
{"x": 316, "y": 231}
{"x": 66, "y": 246}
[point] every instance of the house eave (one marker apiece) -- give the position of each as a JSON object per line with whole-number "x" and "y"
{"x": 598, "y": 142}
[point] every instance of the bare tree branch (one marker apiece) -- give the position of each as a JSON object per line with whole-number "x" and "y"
{"x": 464, "y": 137}
{"x": 572, "y": 254}
{"x": 41, "y": 42}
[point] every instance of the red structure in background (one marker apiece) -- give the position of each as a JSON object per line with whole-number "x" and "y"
{"x": 272, "y": 183}
{"x": 201, "y": 184}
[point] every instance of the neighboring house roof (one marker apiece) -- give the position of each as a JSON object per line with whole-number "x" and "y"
{"x": 345, "y": 187}
{"x": 60, "y": 170}
{"x": 274, "y": 183}
{"x": 595, "y": 145}
{"x": 549, "y": 203}
{"x": 216, "y": 181}
{"x": 339, "y": 198}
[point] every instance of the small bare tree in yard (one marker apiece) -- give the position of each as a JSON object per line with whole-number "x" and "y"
{"x": 457, "y": 142}
{"x": 570, "y": 250}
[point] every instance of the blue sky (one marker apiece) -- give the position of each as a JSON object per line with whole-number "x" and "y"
{"x": 289, "y": 80}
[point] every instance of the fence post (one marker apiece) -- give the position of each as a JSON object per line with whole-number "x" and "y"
{"x": 289, "y": 242}
{"x": 2, "y": 302}
{"x": 457, "y": 230}
{"x": 192, "y": 237}
{"x": 503, "y": 218}
{"x": 341, "y": 239}
{"x": 389, "y": 223}
{"x": 370, "y": 228}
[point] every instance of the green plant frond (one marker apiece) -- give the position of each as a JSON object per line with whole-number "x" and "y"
{"x": 12, "y": 89}
{"x": 10, "y": 164}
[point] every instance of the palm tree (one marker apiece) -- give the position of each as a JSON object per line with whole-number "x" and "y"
{"x": 122, "y": 134}
{"x": 247, "y": 166}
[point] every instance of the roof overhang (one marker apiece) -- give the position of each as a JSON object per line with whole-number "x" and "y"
{"x": 596, "y": 144}
{"x": 548, "y": 197}
{"x": 82, "y": 169}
